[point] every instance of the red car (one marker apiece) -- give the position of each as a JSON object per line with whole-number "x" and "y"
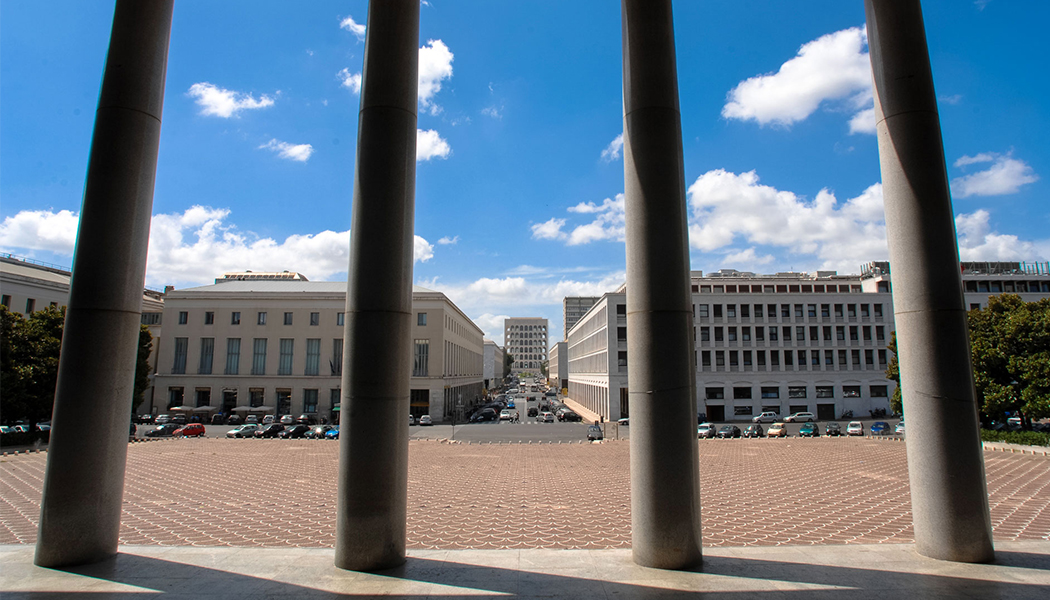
{"x": 191, "y": 430}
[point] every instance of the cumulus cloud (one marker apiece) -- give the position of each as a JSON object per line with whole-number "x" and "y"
{"x": 431, "y": 145}
{"x": 351, "y": 81}
{"x": 1006, "y": 175}
{"x": 296, "y": 152}
{"x": 612, "y": 151}
{"x": 353, "y": 27}
{"x": 435, "y": 65}
{"x": 219, "y": 102}
{"x": 977, "y": 241}
{"x": 747, "y": 258}
{"x": 449, "y": 241}
{"x": 492, "y": 325}
{"x": 834, "y": 67}
{"x": 609, "y": 223}
{"x": 196, "y": 245}
{"x": 863, "y": 122}
{"x": 40, "y": 230}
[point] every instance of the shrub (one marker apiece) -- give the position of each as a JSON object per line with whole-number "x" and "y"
{"x": 1026, "y": 438}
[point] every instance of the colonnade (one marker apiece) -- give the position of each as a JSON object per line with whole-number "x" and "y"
{"x": 80, "y": 513}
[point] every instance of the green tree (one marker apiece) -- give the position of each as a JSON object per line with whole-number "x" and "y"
{"x": 1010, "y": 347}
{"x": 142, "y": 367}
{"x": 508, "y": 361}
{"x": 893, "y": 373}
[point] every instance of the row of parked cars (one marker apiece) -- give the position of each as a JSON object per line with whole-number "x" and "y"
{"x": 280, "y": 431}
{"x": 808, "y": 429}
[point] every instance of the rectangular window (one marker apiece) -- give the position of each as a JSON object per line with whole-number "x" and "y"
{"x": 732, "y": 334}
{"x": 203, "y": 396}
{"x": 621, "y": 334}
{"x": 720, "y": 358}
{"x": 853, "y": 333}
{"x": 336, "y": 363}
{"x": 313, "y": 357}
{"x": 866, "y": 330}
{"x": 181, "y": 346}
{"x": 825, "y": 311}
{"x": 827, "y": 333}
{"x": 811, "y": 310}
{"x": 879, "y": 391}
{"x": 771, "y": 310}
{"x": 882, "y": 358}
{"x": 855, "y": 358}
{"x": 718, "y": 311}
{"x": 760, "y": 334}
{"x": 802, "y": 359}
{"x": 233, "y": 356}
{"x": 6, "y": 300}
{"x": 880, "y": 333}
{"x": 714, "y": 393}
{"x": 774, "y": 358}
{"x": 745, "y": 334}
{"x": 742, "y": 410}
{"x": 260, "y": 319}
{"x": 761, "y": 356}
{"x": 340, "y": 319}
{"x": 814, "y": 333}
{"x": 421, "y": 359}
{"x": 315, "y": 320}
{"x": 746, "y": 356}
{"x": 758, "y": 311}
{"x": 798, "y": 391}
{"x": 745, "y": 311}
{"x": 176, "y": 396}
{"x": 829, "y": 358}
{"x": 825, "y": 391}
{"x": 255, "y": 397}
{"x": 770, "y": 392}
{"x": 851, "y": 311}
{"x": 786, "y": 330}
{"x": 840, "y": 333}
{"x": 731, "y": 311}
{"x": 798, "y": 311}
{"x": 421, "y": 319}
{"x": 621, "y": 309}
{"x": 789, "y": 358}
{"x": 309, "y": 401}
{"x": 701, "y": 310}
{"x": 184, "y": 317}
{"x": 235, "y": 318}
{"x": 734, "y": 359}
{"x": 842, "y": 359}
{"x": 705, "y": 334}
{"x": 838, "y": 311}
{"x": 800, "y": 333}
{"x": 259, "y": 356}
{"x": 287, "y": 348}
{"x": 814, "y": 358}
{"x": 207, "y": 356}
{"x": 705, "y": 358}
{"x": 718, "y": 334}
{"x": 878, "y": 311}
{"x": 334, "y": 397}
{"x": 209, "y": 318}
{"x": 869, "y": 358}
{"x": 621, "y": 359}
{"x": 850, "y": 391}
{"x": 287, "y": 318}
{"x": 773, "y": 335}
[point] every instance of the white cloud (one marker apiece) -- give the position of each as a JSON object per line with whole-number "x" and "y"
{"x": 351, "y": 81}
{"x": 219, "y": 102}
{"x": 296, "y": 152}
{"x": 40, "y": 230}
{"x": 431, "y": 145}
{"x": 1006, "y": 175}
{"x": 492, "y": 111}
{"x": 449, "y": 241}
{"x": 549, "y": 230}
{"x": 863, "y": 122}
{"x": 353, "y": 27}
{"x": 612, "y": 151}
{"x": 193, "y": 247}
{"x": 746, "y": 259}
{"x": 834, "y": 67}
{"x": 977, "y": 241}
{"x": 954, "y": 99}
{"x": 435, "y": 65}
{"x": 492, "y": 325}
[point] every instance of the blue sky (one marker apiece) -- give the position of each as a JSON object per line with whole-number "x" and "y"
{"x": 519, "y": 171}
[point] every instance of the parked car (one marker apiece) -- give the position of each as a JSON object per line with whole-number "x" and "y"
{"x": 162, "y": 419}
{"x": 833, "y": 429}
{"x": 332, "y": 434}
{"x": 287, "y": 420}
{"x": 533, "y": 411}
{"x": 625, "y": 422}
{"x": 191, "y": 430}
{"x": 234, "y": 420}
{"x": 317, "y": 431}
{"x": 296, "y": 431}
{"x": 143, "y": 419}
{"x": 594, "y": 433}
{"x": 254, "y": 419}
{"x": 800, "y": 417}
{"x": 551, "y": 393}
{"x": 899, "y": 429}
{"x": 880, "y": 428}
{"x": 412, "y": 420}
{"x": 164, "y": 430}
{"x": 270, "y": 431}
{"x": 766, "y": 417}
{"x": 483, "y": 415}
{"x": 217, "y": 419}
{"x": 244, "y": 431}
{"x": 706, "y": 430}
{"x": 132, "y": 434}
{"x": 504, "y": 415}
{"x": 855, "y": 428}
{"x": 568, "y": 415}
{"x": 728, "y": 431}
{"x": 306, "y": 419}
{"x": 777, "y": 430}
{"x": 268, "y": 419}
{"x": 809, "y": 430}
{"x": 546, "y": 417}
{"x": 426, "y": 420}
{"x": 180, "y": 419}
{"x": 754, "y": 430}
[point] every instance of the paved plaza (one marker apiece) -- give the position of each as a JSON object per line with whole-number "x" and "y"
{"x": 281, "y": 493}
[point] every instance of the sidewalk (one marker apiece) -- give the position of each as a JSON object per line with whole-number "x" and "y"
{"x": 1021, "y": 571}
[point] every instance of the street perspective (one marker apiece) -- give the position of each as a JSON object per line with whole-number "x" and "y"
{"x": 575, "y": 299}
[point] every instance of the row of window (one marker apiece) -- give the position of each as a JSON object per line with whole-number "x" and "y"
{"x": 256, "y": 397}
{"x": 850, "y": 359}
{"x": 30, "y": 303}
{"x": 998, "y": 287}
{"x": 775, "y": 334}
{"x": 260, "y": 318}
{"x": 286, "y": 348}
{"x": 786, "y": 311}
{"x": 824, "y": 288}
{"x": 794, "y": 392}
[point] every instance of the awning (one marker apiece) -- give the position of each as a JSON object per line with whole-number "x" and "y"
{"x": 182, "y": 408}
{"x": 335, "y": 408}
{"x": 241, "y": 409}
{"x": 204, "y": 409}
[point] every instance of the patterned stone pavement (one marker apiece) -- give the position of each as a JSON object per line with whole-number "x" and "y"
{"x": 278, "y": 493}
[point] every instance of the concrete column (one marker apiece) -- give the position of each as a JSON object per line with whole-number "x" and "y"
{"x": 665, "y": 489}
{"x": 84, "y": 481}
{"x": 373, "y": 437}
{"x": 945, "y": 461}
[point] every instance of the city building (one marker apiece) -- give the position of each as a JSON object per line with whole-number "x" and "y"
{"x": 784, "y": 343}
{"x": 273, "y": 343}
{"x": 559, "y": 366}
{"x": 493, "y": 369}
{"x": 574, "y": 307}
{"x": 525, "y": 339}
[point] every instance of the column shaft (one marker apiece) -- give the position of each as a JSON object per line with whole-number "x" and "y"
{"x": 665, "y": 490}
{"x": 84, "y": 481}
{"x": 945, "y": 460}
{"x": 373, "y": 437}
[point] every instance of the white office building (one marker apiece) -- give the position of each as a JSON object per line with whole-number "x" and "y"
{"x": 525, "y": 339}
{"x": 493, "y": 369}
